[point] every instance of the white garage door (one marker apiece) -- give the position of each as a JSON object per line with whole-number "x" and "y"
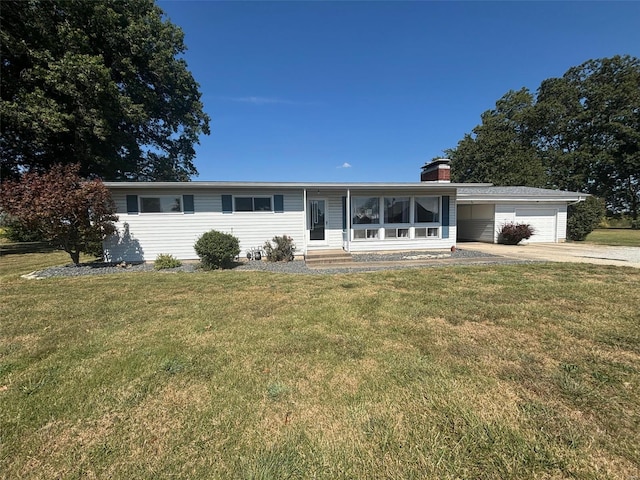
{"x": 542, "y": 220}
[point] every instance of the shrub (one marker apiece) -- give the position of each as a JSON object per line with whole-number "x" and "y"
{"x": 584, "y": 217}
{"x": 166, "y": 261}
{"x": 217, "y": 249}
{"x": 283, "y": 250}
{"x": 513, "y": 233}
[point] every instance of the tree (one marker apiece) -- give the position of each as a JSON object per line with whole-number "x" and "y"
{"x": 72, "y": 213}
{"x": 584, "y": 217}
{"x": 101, "y": 84}
{"x": 500, "y": 150}
{"x": 589, "y": 130}
{"x": 580, "y": 132}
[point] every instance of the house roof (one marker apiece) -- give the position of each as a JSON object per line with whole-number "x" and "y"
{"x": 478, "y": 193}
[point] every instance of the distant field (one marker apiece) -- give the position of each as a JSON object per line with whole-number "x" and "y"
{"x": 487, "y": 372}
{"x": 615, "y": 236}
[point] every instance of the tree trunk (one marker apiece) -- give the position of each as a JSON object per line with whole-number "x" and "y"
{"x": 75, "y": 257}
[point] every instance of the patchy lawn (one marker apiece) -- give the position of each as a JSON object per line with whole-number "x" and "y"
{"x": 495, "y": 372}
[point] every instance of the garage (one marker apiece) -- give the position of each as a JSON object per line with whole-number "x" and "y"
{"x": 482, "y": 211}
{"x": 543, "y": 221}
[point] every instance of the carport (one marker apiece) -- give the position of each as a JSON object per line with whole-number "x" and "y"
{"x": 481, "y": 212}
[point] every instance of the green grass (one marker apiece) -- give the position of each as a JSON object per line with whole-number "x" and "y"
{"x": 615, "y": 236}
{"x": 503, "y": 372}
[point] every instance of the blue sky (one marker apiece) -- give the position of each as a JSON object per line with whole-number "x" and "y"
{"x": 370, "y": 91}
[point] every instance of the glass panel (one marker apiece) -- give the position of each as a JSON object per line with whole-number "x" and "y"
{"x": 396, "y": 210}
{"x": 316, "y": 220}
{"x": 150, "y": 204}
{"x": 421, "y": 232}
{"x": 372, "y": 233}
{"x": 403, "y": 233}
{"x": 432, "y": 232}
{"x": 160, "y": 204}
{"x": 390, "y": 233}
{"x": 365, "y": 210}
{"x": 244, "y": 204}
{"x": 359, "y": 234}
{"x": 171, "y": 204}
{"x": 427, "y": 210}
{"x": 262, "y": 204}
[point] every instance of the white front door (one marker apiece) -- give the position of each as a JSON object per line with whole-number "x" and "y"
{"x": 317, "y": 221}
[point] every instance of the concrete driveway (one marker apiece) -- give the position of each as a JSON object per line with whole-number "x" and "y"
{"x": 562, "y": 252}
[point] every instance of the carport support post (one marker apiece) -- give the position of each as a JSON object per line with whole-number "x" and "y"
{"x": 348, "y": 219}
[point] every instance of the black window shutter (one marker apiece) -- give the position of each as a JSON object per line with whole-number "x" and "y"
{"x": 187, "y": 204}
{"x": 344, "y": 213}
{"x": 445, "y": 217}
{"x": 227, "y": 204}
{"x": 132, "y": 204}
{"x": 278, "y": 203}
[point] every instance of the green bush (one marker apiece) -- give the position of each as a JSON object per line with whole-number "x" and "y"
{"x": 217, "y": 249}
{"x": 513, "y": 233}
{"x": 166, "y": 261}
{"x": 283, "y": 250}
{"x": 584, "y": 217}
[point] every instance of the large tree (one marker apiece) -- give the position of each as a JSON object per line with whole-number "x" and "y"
{"x": 99, "y": 83}
{"x": 500, "y": 150}
{"x": 589, "y": 130}
{"x": 579, "y": 132}
{"x": 72, "y": 213}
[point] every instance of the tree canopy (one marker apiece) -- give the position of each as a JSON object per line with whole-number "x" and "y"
{"x": 578, "y": 132}
{"x": 101, "y": 84}
{"x": 71, "y": 213}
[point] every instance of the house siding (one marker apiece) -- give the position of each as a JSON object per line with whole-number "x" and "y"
{"x": 143, "y": 236}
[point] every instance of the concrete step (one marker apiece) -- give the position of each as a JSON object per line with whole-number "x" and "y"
{"x": 327, "y": 257}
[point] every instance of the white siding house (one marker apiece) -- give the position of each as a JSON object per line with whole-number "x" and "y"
{"x": 168, "y": 218}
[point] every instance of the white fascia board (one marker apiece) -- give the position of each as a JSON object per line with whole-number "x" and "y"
{"x": 463, "y": 199}
{"x": 287, "y": 185}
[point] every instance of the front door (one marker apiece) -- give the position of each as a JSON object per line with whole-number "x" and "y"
{"x": 317, "y": 219}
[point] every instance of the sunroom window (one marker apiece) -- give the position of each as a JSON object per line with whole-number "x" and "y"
{"x": 365, "y": 210}
{"x": 427, "y": 210}
{"x": 396, "y": 209}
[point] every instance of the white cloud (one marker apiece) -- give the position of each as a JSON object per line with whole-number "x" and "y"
{"x": 345, "y": 165}
{"x": 259, "y": 100}
{"x": 268, "y": 101}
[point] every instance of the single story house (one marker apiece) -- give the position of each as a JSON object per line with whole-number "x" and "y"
{"x": 168, "y": 217}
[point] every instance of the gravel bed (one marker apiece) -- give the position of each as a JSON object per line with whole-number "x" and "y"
{"x": 295, "y": 267}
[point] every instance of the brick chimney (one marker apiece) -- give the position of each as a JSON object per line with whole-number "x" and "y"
{"x": 437, "y": 171}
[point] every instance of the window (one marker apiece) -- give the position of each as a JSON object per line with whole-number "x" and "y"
{"x": 365, "y": 210}
{"x": 396, "y": 233}
{"x": 370, "y": 233}
{"x": 396, "y": 209}
{"x": 161, "y": 204}
{"x": 427, "y": 210}
{"x": 253, "y": 204}
{"x": 426, "y": 232}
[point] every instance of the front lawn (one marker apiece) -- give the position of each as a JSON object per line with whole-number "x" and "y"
{"x": 494, "y": 372}
{"x": 615, "y": 236}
